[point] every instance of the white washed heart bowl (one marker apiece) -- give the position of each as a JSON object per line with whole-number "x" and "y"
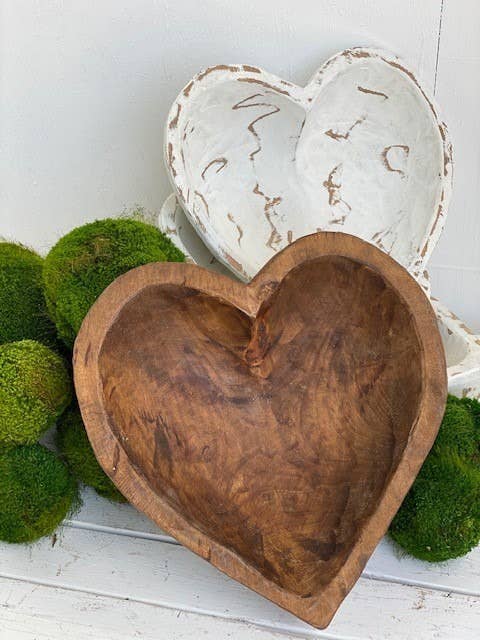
{"x": 258, "y": 162}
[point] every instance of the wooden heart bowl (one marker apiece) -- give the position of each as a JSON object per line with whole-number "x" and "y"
{"x": 272, "y": 428}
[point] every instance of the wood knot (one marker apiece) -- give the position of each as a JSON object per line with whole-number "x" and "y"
{"x": 267, "y": 288}
{"x": 258, "y": 345}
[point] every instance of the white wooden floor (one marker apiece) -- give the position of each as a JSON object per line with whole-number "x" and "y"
{"x": 109, "y": 573}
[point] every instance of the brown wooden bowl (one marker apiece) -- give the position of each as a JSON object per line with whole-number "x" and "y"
{"x": 273, "y": 428}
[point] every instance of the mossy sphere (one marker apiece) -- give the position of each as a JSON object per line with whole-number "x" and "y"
{"x": 85, "y": 261}
{"x": 440, "y": 517}
{"x": 23, "y": 313}
{"x": 73, "y": 444}
{"x": 458, "y": 432}
{"x": 35, "y": 388}
{"x": 36, "y": 493}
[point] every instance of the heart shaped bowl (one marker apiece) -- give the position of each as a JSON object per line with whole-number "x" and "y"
{"x": 273, "y": 428}
{"x": 462, "y": 346}
{"x": 258, "y": 162}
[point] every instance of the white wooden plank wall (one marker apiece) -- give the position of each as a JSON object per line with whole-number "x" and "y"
{"x": 85, "y": 90}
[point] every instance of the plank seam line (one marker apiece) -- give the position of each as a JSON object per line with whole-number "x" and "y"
{"x": 132, "y": 533}
{"x": 438, "y": 48}
{"x": 410, "y": 582}
{"x": 454, "y": 267}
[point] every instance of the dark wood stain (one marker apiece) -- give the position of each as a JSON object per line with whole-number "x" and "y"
{"x": 247, "y": 67}
{"x": 335, "y": 135}
{"x": 264, "y": 84}
{"x": 220, "y": 161}
{"x": 405, "y": 148}
{"x": 372, "y": 92}
{"x": 174, "y": 121}
{"x": 218, "y": 67}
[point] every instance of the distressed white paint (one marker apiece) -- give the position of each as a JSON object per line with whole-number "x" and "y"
{"x": 258, "y": 162}
{"x": 462, "y": 349}
{"x": 173, "y": 222}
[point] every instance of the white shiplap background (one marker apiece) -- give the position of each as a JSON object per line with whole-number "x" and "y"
{"x": 86, "y": 87}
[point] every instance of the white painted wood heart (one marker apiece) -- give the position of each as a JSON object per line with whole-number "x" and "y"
{"x": 258, "y": 162}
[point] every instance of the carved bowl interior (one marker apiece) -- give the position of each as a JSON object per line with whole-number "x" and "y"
{"x": 276, "y": 435}
{"x": 258, "y": 162}
{"x": 461, "y": 345}
{"x": 273, "y": 428}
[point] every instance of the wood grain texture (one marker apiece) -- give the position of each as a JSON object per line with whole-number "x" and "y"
{"x": 272, "y": 428}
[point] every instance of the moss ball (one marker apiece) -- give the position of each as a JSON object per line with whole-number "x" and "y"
{"x": 73, "y": 444}
{"x": 458, "y": 431}
{"x": 36, "y": 493}
{"x": 474, "y": 407}
{"x": 34, "y": 390}
{"x": 23, "y": 312}
{"x": 85, "y": 261}
{"x": 440, "y": 517}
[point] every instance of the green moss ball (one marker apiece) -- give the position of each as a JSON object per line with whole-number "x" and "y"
{"x": 85, "y": 261}
{"x": 36, "y": 493}
{"x": 458, "y": 431}
{"x": 23, "y": 313}
{"x": 35, "y": 388}
{"x": 440, "y": 517}
{"x": 73, "y": 444}
{"x": 474, "y": 406}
